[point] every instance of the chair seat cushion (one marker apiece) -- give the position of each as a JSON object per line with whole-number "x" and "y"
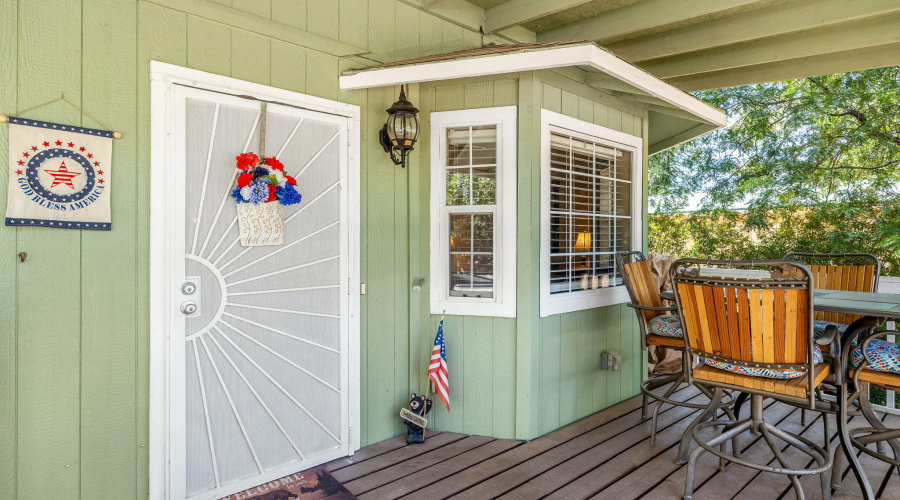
{"x": 883, "y": 356}
{"x": 666, "y": 325}
{"x": 764, "y": 372}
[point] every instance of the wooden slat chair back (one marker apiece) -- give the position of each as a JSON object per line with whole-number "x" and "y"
{"x": 858, "y": 273}
{"x": 638, "y": 279}
{"x": 749, "y": 322}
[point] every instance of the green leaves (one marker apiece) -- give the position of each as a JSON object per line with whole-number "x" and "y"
{"x": 813, "y": 164}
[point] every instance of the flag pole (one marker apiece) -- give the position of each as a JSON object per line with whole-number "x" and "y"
{"x": 428, "y": 381}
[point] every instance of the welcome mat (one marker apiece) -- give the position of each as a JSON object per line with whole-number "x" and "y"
{"x": 312, "y": 484}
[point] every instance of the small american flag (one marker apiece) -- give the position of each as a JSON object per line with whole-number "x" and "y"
{"x": 437, "y": 370}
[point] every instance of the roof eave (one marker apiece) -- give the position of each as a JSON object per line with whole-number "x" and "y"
{"x": 586, "y": 54}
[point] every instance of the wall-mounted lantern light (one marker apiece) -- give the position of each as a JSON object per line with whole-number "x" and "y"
{"x": 401, "y": 130}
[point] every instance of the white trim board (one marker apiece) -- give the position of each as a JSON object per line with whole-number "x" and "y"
{"x": 587, "y": 54}
{"x": 164, "y": 79}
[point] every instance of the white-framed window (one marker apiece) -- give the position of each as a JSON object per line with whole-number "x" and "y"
{"x": 473, "y": 212}
{"x": 591, "y": 195}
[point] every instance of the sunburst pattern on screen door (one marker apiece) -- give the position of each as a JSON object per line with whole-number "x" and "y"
{"x": 263, "y": 355}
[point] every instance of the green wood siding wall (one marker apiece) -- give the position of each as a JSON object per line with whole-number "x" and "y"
{"x": 570, "y": 383}
{"x": 74, "y": 345}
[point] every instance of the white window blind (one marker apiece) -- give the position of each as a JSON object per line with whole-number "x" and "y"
{"x": 590, "y": 213}
{"x": 590, "y": 209}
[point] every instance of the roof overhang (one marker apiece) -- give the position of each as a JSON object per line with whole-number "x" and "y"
{"x": 696, "y": 116}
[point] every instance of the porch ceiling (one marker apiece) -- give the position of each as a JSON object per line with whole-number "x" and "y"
{"x": 702, "y": 44}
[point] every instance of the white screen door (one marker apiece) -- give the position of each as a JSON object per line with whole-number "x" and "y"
{"x": 258, "y": 377}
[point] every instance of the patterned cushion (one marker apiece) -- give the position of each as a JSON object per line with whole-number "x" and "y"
{"x": 765, "y": 372}
{"x": 666, "y": 325}
{"x": 883, "y": 356}
{"x": 819, "y": 326}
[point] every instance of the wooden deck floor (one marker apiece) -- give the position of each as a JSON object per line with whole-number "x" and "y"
{"x": 604, "y": 456}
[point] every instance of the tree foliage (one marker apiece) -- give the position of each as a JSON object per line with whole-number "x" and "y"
{"x": 812, "y": 164}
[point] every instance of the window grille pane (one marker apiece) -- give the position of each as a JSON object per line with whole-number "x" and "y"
{"x": 590, "y": 213}
{"x": 472, "y": 255}
{"x": 472, "y": 165}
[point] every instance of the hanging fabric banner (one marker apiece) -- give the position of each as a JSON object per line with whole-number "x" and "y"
{"x": 58, "y": 176}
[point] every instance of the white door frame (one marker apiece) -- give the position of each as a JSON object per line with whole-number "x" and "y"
{"x": 164, "y": 204}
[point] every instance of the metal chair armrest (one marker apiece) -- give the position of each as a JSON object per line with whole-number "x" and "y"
{"x": 648, "y": 308}
{"x": 831, "y": 332}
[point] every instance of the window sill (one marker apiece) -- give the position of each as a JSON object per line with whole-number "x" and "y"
{"x": 473, "y": 307}
{"x": 579, "y": 301}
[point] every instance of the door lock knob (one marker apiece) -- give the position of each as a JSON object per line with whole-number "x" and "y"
{"x": 188, "y": 307}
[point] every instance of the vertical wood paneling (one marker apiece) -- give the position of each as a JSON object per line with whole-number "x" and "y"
{"x": 323, "y": 18}
{"x": 261, "y": 8}
{"x": 478, "y": 356}
{"x": 8, "y": 363}
{"x": 49, "y": 282}
{"x": 503, "y": 365}
{"x": 290, "y": 12}
{"x": 550, "y": 372}
{"x": 208, "y": 46}
{"x": 289, "y": 68}
{"x": 352, "y": 27}
{"x": 250, "y": 57}
{"x": 109, "y": 327}
{"x": 380, "y": 282}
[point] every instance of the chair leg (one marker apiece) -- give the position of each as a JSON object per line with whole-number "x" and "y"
{"x": 644, "y": 402}
{"x": 734, "y": 430}
{"x": 803, "y": 416}
{"x": 873, "y": 420}
{"x": 705, "y": 415}
{"x": 821, "y": 460}
{"x": 847, "y": 445}
{"x": 763, "y": 429}
{"x": 837, "y": 468}
{"x": 658, "y": 405}
{"x": 739, "y": 402}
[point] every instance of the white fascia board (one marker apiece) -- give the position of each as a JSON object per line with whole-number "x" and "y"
{"x": 632, "y": 75}
{"x": 578, "y": 55}
{"x": 467, "y": 68}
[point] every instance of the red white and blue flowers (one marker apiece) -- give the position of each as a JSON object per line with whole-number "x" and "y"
{"x": 263, "y": 180}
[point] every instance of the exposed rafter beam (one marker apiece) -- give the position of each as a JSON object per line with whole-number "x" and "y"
{"x": 828, "y": 64}
{"x": 516, "y": 12}
{"x": 839, "y": 38}
{"x": 773, "y": 21}
{"x": 468, "y": 16}
{"x": 638, "y": 17}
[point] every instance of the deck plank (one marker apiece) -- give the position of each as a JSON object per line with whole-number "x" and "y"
{"x": 394, "y": 457}
{"x": 649, "y": 480}
{"x": 469, "y": 477}
{"x": 371, "y": 451}
{"x": 604, "y": 456}
{"x": 433, "y": 474}
{"x": 407, "y": 467}
{"x": 558, "y": 470}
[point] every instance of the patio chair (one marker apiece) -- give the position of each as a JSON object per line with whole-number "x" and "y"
{"x": 754, "y": 332}
{"x": 659, "y": 327}
{"x": 874, "y": 361}
{"x": 854, "y": 272}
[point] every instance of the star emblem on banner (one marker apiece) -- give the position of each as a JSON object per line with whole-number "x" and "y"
{"x": 62, "y": 176}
